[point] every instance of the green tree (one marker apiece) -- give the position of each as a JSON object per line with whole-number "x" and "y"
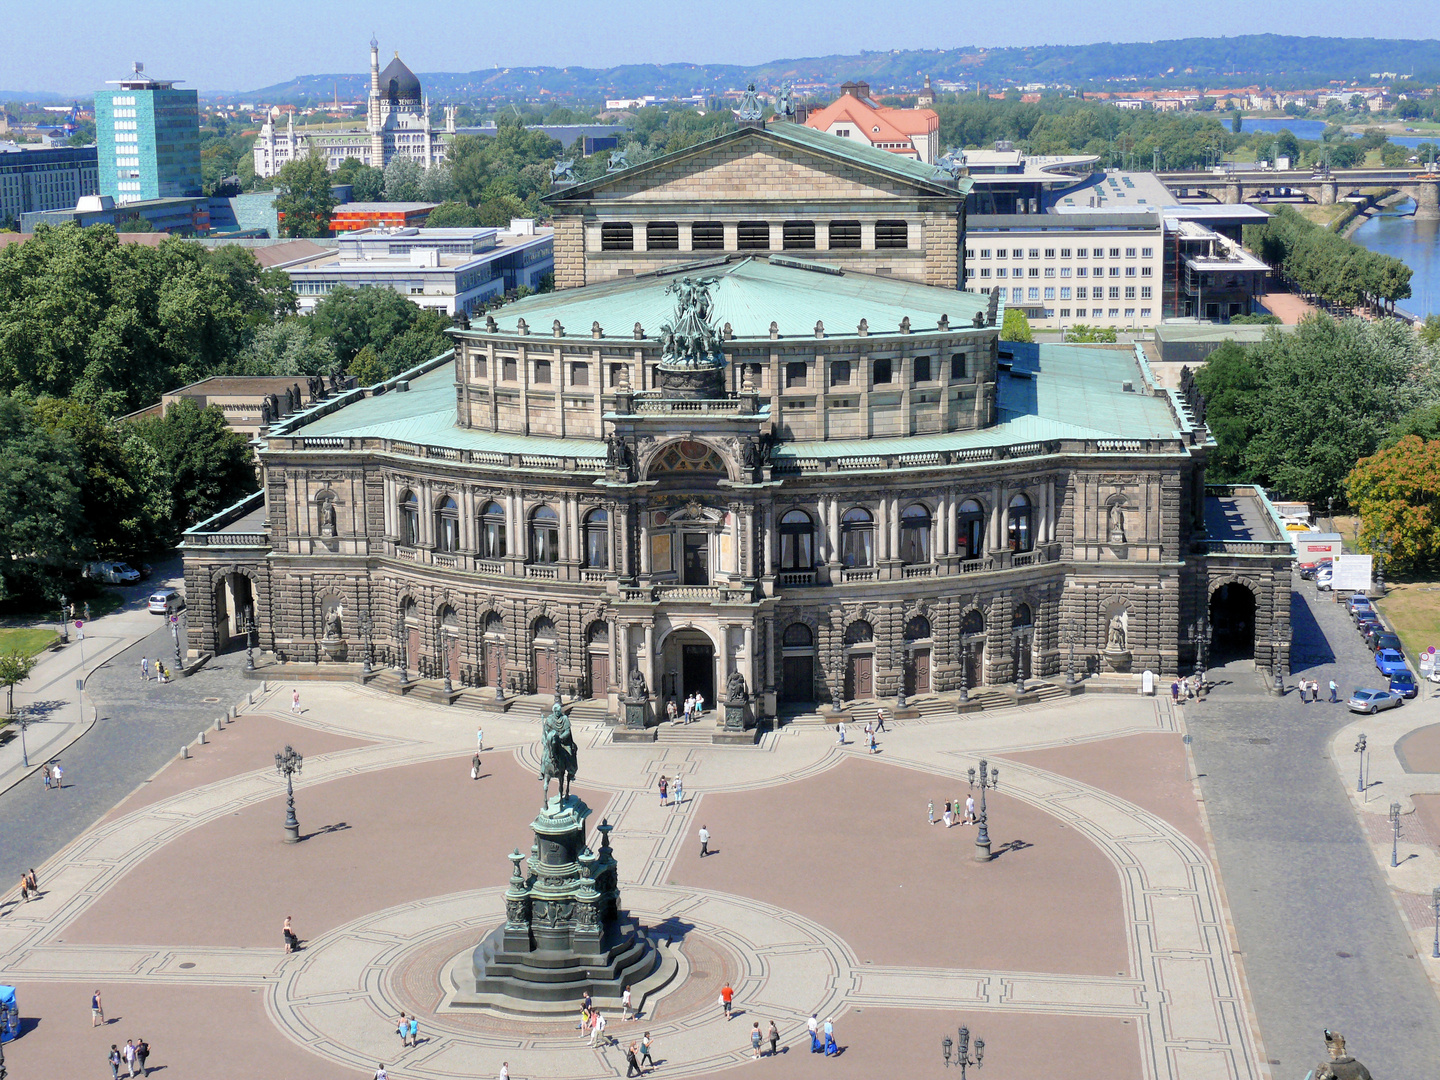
{"x": 1081, "y": 333}
{"x": 1237, "y": 123}
{"x": 42, "y": 523}
{"x": 1430, "y": 331}
{"x": 303, "y": 198}
{"x": 1230, "y": 382}
{"x": 15, "y": 667}
{"x": 366, "y": 367}
{"x": 1397, "y": 494}
{"x": 290, "y": 347}
{"x": 453, "y": 215}
{"x": 402, "y": 180}
{"x": 1424, "y": 422}
{"x": 209, "y": 465}
{"x": 400, "y": 334}
{"x": 1015, "y": 327}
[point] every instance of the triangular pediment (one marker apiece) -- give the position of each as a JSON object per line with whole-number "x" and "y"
{"x": 755, "y": 164}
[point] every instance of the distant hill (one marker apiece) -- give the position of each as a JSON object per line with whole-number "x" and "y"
{"x": 1268, "y": 59}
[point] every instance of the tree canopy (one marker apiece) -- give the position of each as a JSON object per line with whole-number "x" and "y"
{"x": 1397, "y": 495}
{"x": 303, "y": 198}
{"x": 208, "y": 466}
{"x": 1326, "y": 265}
{"x": 399, "y": 334}
{"x": 42, "y": 523}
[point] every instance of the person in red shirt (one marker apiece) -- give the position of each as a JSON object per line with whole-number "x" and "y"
{"x": 727, "y": 995}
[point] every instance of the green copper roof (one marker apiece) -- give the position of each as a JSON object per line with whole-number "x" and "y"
{"x": 750, "y": 293}
{"x": 851, "y": 151}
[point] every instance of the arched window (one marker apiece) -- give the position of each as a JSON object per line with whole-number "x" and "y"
{"x": 447, "y": 525}
{"x": 598, "y": 634}
{"x": 494, "y": 626}
{"x": 409, "y": 519}
{"x": 492, "y": 531}
{"x": 970, "y": 537}
{"x": 543, "y": 630}
{"x": 544, "y": 536}
{"x": 797, "y": 541}
{"x": 972, "y": 623}
{"x": 915, "y": 534}
{"x": 859, "y": 633}
{"x": 1023, "y": 617}
{"x": 597, "y": 540}
{"x": 1022, "y": 537}
{"x": 798, "y": 636}
{"x": 857, "y": 538}
{"x": 917, "y": 629}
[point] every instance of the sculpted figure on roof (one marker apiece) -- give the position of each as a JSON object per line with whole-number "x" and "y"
{"x": 690, "y": 340}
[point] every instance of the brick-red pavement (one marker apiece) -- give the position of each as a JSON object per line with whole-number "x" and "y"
{"x": 250, "y": 743}
{"x": 408, "y": 833}
{"x": 851, "y": 849}
{"x": 1149, "y": 770}
{"x": 194, "y": 1032}
{"x": 1419, "y": 751}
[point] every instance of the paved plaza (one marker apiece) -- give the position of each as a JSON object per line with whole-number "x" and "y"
{"x": 1097, "y": 934}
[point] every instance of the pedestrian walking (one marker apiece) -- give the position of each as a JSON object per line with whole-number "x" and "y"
{"x": 295, "y": 700}
{"x": 679, "y": 792}
{"x": 380, "y": 1073}
{"x": 699, "y": 704}
{"x": 145, "y": 668}
{"x": 631, "y": 1061}
{"x": 645, "y": 1050}
{"x": 948, "y": 821}
{"x": 142, "y": 1055}
{"x": 475, "y": 767}
{"x": 930, "y": 811}
{"x": 600, "y": 1025}
{"x": 969, "y": 810}
{"x": 479, "y": 739}
{"x": 774, "y": 1036}
{"x": 587, "y": 1002}
{"x": 704, "y": 841}
{"x": 505, "y": 1070}
{"x": 45, "y": 773}
{"x": 1333, "y": 692}
{"x": 291, "y": 941}
{"x": 128, "y": 1056}
{"x": 880, "y": 723}
{"x": 414, "y": 1030}
{"x": 755, "y": 1041}
{"x": 97, "y": 1010}
{"x": 34, "y": 882}
{"x": 813, "y": 1026}
{"x": 625, "y": 1005}
{"x": 1175, "y": 692}
{"x": 403, "y": 1030}
{"x": 872, "y": 742}
{"x": 670, "y": 710}
{"x": 664, "y": 786}
{"x": 689, "y": 706}
{"x": 840, "y": 733}
{"x": 830, "y": 1048}
{"x": 727, "y": 998}
{"x": 58, "y": 775}
{"x": 24, "y": 888}
{"x": 114, "y": 1059}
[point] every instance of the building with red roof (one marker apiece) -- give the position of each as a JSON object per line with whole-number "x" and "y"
{"x": 913, "y": 133}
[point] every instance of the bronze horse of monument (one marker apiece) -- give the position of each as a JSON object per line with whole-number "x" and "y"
{"x": 559, "y": 757}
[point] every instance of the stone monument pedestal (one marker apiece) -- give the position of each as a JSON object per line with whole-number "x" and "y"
{"x": 635, "y": 723}
{"x": 333, "y": 650}
{"x": 734, "y": 729}
{"x": 1117, "y": 660}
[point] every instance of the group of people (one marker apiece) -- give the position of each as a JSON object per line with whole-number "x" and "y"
{"x": 135, "y": 1052}
{"x": 952, "y": 811}
{"x": 1187, "y": 689}
{"x": 694, "y": 706}
{"x": 408, "y": 1028}
{"x": 162, "y": 673}
{"x": 29, "y": 885}
{"x": 53, "y": 775}
{"x": 672, "y": 792}
{"x": 1310, "y": 691}
{"x": 822, "y": 1037}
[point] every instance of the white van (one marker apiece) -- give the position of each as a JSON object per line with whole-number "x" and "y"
{"x": 112, "y": 573}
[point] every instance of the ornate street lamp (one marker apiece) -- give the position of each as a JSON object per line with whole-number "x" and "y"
{"x": 444, "y": 657}
{"x": 1019, "y": 669}
{"x": 1394, "y": 834}
{"x": 1360, "y": 749}
{"x": 23, "y": 719}
{"x": 1382, "y": 550}
{"x": 404, "y": 659}
{"x": 287, "y": 764}
{"x": 982, "y": 837}
{"x": 1201, "y": 646}
{"x": 64, "y": 620}
{"x": 175, "y": 633}
{"x": 250, "y": 640}
{"x": 964, "y": 671}
{"x": 1435, "y": 906}
{"x": 962, "y": 1051}
{"x": 367, "y": 627}
{"x": 946, "y": 1043}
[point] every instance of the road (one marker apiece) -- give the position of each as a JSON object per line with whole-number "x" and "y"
{"x": 1322, "y": 940}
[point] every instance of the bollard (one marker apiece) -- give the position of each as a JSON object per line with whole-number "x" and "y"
{"x": 184, "y": 751}
{"x": 201, "y": 739}
{"x": 219, "y": 723}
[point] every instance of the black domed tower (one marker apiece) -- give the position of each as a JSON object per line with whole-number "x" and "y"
{"x": 398, "y": 84}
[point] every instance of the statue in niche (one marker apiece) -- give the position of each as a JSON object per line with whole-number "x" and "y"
{"x": 327, "y": 517}
{"x": 736, "y": 692}
{"x": 617, "y": 454}
{"x": 1116, "y": 527}
{"x": 750, "y": 453}
{"x": 1115, "y": 640}
{"x": 639, "y": 691}
{"x": 333, "y": 629}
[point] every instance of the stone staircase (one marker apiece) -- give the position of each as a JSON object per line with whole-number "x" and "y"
{"x": 696, "y": 734}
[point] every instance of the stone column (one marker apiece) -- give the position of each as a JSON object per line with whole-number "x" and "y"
{"x": 621, "y": 678}
{"x": 645, "y": 544}
{"x": 894, "y": 509}
{"x": 833, "y": 540}
{"x": 769, "y": 539}
{"x": 652, "y": 673}
{"x": 512, "y": 525}
{"x": 750, "y": 672}
{"x": 996, "y": 517}
{"x": 734, "y": 529}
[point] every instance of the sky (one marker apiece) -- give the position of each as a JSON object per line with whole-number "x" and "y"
{"x": 74, "y": 46}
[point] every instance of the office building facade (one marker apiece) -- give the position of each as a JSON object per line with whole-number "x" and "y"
{"x": 148, "y": 138}
{"x": 36, "y": 179}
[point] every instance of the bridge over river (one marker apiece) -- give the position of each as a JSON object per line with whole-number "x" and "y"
{"x": 1322, "y": 188}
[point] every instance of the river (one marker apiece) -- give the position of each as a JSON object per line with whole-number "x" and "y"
{"x": 1313, "y": 129}
{"x": 1417, "y": 244}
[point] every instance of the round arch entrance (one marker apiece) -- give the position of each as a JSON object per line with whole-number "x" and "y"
{"x": 687, "y": 656}
{"x": 1232, "y": 623}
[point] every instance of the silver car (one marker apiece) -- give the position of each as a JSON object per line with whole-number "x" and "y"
{"x": 1372, "y": 701}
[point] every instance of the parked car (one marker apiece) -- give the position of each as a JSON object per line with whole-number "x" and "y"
{"x": 166, "y": 602}
{"x": 112, "y": 573}
{"x": 1372, "y": 701}
{"x": 1385, "y": 640}
{"x": 1323, "y": 578}
{"x": 1403, "y": 683}
{"x": 1389, "y": 661}
{"x": 1308, "y": 570}
{"x": 1367, "y": 621}
{"x": 1358, "y": 603}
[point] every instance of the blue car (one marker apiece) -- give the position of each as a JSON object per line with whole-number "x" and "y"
{"x": 1403, "y": 683}
{"x": 1389, "y": 661}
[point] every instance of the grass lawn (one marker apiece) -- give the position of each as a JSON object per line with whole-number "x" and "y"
{"x": 26, "y": 641}
{"x": 1413, "y": 609}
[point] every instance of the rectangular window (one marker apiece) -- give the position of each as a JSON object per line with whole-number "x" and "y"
{"x": 1034, "y": 253}
{"x": 1129, "y": 292}
{"x": 542, "y": 371}
{"x": 1114, "y": 312}
{"x": 922, "y": 369}
{"x": 1065, "y": 271}
{"x": 1000, "y": 271}
{"x": 844, "y": 234}
{"x": 892, "y": 234}
{"x": 1017, "y": 295}
{"x": 1145, "y": 313}
{"x": 799, "y": 236}
{"x": 1034, "y": 271}
{"x": 1147, "y": 253}
{"x": 1049, "y": 313}
{"x": 1114, "y": 292}
{"x": 969, "y": 253}
{"x": 1129, "y": 313}
{"x": 1129, "y": 271}
{"x": 1114, "y": 271}
{"x": 1114, "y": 253}
{"x": 1145, "y": 271}
{"x": 1064, "y": 253}
{"x": 1049, "y": 253}
{"x": 1000, "y": 253}
{"x": 1082, "y": 293}
{"x": 1099, "y": 253}
{"x": 984, "y": 253}
{"x": 1064, "y": 313}
{"x": 1081, "y": 253}
{"x": 753, "y": 236}
{"x": 579, "y": 374}
{"x": 1064, "y": 292}
{"x": 662, "y": 236}
{"x": 1050, "y": 293}
{"x": 881, "y": 372}
{"x": 507, "y": 369}
{"x": 707, "y": 236}
{"x": 617, "y": 373}
{"x": 1034, "y": 294}
{"x": 480, "y": 367}
{"x": 1049, "y": 271}
{"x": 795, "y": 374}
{"x": 957, "y": 367}
{"x": 617, "y": 236}
{"x": 1144, "y": 292}
{"x": 1129, "y": 253}
{"x": 984, "y": 271}
{"x": 1082, "y": 271}
{"x": 840, "y": 373}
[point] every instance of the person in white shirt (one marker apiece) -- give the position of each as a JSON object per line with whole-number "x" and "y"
{"x": 625, "y": 1003}
{"x": 704, "y": 841}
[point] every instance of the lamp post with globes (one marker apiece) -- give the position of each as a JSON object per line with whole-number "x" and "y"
{"x": 367, "y": 627}
{"x": 288, "y": 764}
{"x": 250, "y": 640}
{"x": 982, "y": 836}
{"x": 961, "y": 1051}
